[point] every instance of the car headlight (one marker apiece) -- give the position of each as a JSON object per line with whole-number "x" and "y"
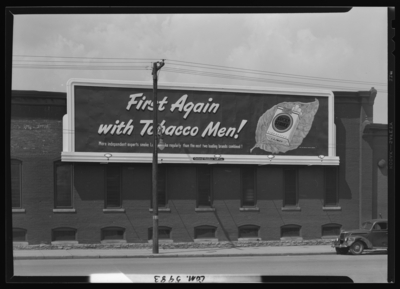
{"x": 350, "y": 239}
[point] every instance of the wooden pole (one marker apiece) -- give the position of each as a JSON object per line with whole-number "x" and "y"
{"x": 155, "y": 162}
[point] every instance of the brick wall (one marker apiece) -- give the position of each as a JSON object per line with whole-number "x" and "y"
{"x": 89, "y": 217}
{"x": 376, "y": 136}
{"x": 37, "y": 142}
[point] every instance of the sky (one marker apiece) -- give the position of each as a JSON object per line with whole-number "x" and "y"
{"x": 335, "y": 51}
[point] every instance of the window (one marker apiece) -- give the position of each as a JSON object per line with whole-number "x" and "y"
{"x": 380, "y": 226}
{"x": 204, "y": 188}
{"x": 63, "y": 185}
{"x": 248, "y": 231}
{"x": 331, "y": 192}
{"x": 248, "y": 186}
{"x": 290, "y": 231}
{"x": 113, "y": 234}
{"x": 331, "y": 230}
{"x": 19, "y": 235}
{"x": 63, "y": 234}
{"x": 113, "y": 186}
{"x": 16, "y": 183}
{"x": 161, "y": 187}
{"x": 290, "y": 187}
{"x": 367, "y": 225}
{"x": 204, "y": 232}
{"x": 164, "y": 233}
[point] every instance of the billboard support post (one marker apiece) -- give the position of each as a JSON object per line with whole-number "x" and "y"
{"x": 156, "y": 67}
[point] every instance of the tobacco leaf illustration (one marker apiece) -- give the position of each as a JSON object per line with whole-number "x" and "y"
{"x": 308, "y": 111}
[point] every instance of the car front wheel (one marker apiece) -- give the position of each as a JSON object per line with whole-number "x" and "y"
{"x": 357, "y": 248}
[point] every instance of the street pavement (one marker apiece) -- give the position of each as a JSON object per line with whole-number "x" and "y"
{"x": 165, "y": 253}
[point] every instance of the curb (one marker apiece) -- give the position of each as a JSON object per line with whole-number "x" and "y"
{"x": 168, "y": 256}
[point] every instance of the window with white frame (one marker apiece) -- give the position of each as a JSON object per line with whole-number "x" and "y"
{"x": 63, "y": 182}
{"x": 290, "y": 187}
{"x": 204, "y": 186}
{"x": 19, "y": 235}
{"x": 113, "y": 234}
{"x": 248, "y": 231}
{"x": 16, "y": 183}
{"x": 290, "y": 231}
{"x": 205, "y": 232}
{"x": 330, "y": 230}
{"x": 63, "y": 234}
{"x": 113, "y": 197}
{"x": 164, "y": 233}
{"x": 248, "y": 182}
{"x": 331, "y": 186}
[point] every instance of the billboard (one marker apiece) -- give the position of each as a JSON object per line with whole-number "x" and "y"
{"x": 240, "y": 125}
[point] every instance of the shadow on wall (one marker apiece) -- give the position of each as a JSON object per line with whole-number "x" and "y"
{"x": 310, "y": 180}
{"x": 89, "y": 181}
{"x": 344, "y": 189}
{"x": 135, "y": 181}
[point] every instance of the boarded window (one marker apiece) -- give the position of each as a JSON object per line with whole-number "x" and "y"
{"x": 161, "y": 187}
{"x": 204, "y": 185}
{"x": 113, "y": 186}
{"x": 16, "y": 183}
{"x": 63, "y": 234}
{"x": 331, "y": 230}
{"x": 204, "y": 232}
{"x": 164, "y": 233}
{"x": 63, "y": 185}
{"x": 290, "y": 231}
{"x": 112, "y": 233}
{"x": 248, "y": 186}
{"x": 248, "y": 231}
{"x": 290, "y": 185}
{"x": 19, "y": 235}
{"x": 331, "y": 193}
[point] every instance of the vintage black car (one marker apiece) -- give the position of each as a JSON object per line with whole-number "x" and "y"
{"x": 372, "y": 236}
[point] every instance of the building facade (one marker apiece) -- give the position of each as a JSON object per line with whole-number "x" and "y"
{"x": 61, "y": 194}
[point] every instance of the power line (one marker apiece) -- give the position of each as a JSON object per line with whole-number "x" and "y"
{"x": 89, "y": 66}
{"x": 183, "y": 71}
{"x": 310, "y": 78}
{"x": 275, "y": 73}
{"x": 230, "y": 76}
{"x": 81, "y": 67}
{"x": 77, "y": 61}
{"x": 212, "y": 66}
{"x": 82, "y": 57}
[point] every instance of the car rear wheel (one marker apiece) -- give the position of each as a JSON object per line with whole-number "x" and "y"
{"x": 342, "y": 251}
{"x": 357, "y": 248}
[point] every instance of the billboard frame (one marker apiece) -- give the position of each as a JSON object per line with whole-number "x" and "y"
{"x": 69, "y": 154}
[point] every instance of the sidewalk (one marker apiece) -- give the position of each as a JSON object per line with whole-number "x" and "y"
{"x": 168, "y": 253}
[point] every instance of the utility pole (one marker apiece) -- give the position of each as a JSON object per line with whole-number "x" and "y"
{"x": 156, "y": 66}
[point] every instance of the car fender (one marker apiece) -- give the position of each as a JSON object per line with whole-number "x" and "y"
{"x": 367, "y": 242}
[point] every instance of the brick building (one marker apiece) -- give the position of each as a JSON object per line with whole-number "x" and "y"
{"x": 78, "y": 200}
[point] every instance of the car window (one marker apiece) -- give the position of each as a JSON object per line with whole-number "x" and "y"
{"x": 380, "y": 226}
{"x": 367, "y": 225}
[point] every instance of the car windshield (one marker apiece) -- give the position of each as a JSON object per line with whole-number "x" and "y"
{"x": 367, "y": 225}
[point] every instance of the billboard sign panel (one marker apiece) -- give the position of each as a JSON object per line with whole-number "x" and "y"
{"x": 239, "y": 124}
